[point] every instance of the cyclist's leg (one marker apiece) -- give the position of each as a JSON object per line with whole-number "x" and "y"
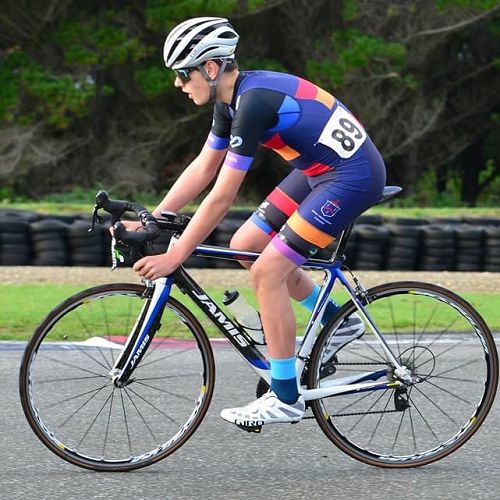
{"x": 270, "y": 274}
{"x": 256, "y": 233}
{"x": 336, "y": 199}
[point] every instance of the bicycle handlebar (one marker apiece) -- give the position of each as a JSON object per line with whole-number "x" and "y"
{"x": 152, "y": 225}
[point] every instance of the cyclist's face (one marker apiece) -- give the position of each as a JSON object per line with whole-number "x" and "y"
{"x": 196, "y": 86}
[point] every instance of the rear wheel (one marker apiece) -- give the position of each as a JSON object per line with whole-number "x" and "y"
{"x": 451, "y": 354}
{"x": 75, "y": 409}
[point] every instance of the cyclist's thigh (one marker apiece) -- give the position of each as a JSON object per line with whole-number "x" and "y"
{"x": 336, "y": 199}
{"x": 272, "y": 213}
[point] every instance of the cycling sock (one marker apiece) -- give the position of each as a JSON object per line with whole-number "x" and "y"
{"x": 331, "y": 306}
{"x": 284, "y": 380}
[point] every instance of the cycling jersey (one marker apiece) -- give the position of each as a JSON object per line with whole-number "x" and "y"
{"x": 303, "y": 123}
{"x": 338, "y": 171}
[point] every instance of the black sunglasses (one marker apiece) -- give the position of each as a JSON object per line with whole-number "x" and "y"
{"x": 183, "y": 74}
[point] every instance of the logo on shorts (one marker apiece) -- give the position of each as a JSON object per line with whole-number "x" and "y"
{"x": 330, "y": 208}
{"x": 236, "y": 141}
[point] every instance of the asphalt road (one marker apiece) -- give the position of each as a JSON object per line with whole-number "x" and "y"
{"x": 221, "y": 461}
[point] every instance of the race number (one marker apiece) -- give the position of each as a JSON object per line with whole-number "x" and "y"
{"x": 343, "y": 133}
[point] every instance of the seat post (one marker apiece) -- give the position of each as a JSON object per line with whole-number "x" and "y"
{"x": 342, "y": 243}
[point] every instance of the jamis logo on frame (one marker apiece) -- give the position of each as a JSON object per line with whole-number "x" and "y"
{"x": 330, "y": 208}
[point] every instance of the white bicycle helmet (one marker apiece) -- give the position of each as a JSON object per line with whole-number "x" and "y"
{"x": 197, "y": 40}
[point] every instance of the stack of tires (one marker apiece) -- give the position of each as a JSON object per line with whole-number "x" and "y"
{"x": 492, "y": 249}
{"x": 84, "y": 248}
{"x": 15, "y": 237}
{"x": 469, "y": 248}
{"x": 371, "y": 244}
{"x": 437, "y": 248}
{"x": 49, "y": 243}
{"x": 403, "y": 250}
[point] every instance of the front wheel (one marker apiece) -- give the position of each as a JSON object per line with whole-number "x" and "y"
{"x": 451, "y": 355}
{"x": 71, "y": 402}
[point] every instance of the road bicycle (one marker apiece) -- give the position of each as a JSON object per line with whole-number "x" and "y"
{"x": 119, "y": 376}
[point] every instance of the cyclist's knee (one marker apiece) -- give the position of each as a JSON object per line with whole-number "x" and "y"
{"x": 249, "y": 237}
{"x": 266, "y": 272}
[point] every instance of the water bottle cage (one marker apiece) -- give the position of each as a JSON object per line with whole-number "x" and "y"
{"x": 247, "y": 332}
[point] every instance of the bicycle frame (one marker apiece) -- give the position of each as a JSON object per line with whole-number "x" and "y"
{"x": 148, "y": 321}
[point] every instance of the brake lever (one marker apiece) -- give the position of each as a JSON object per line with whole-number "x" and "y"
{"x": 96, "y": 218}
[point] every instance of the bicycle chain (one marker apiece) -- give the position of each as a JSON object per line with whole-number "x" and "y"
{"x": 360, "y": 364}
{"x": 356, "y": 414}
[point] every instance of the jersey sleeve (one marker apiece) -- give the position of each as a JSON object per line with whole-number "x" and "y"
{"x": 218, "y": 138}
{"x": 253, "y": 116}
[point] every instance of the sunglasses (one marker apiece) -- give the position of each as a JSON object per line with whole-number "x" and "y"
{"x": 183, "y": 74}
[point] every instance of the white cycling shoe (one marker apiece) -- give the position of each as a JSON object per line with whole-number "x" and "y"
{"x": 350, "y": 329}
{"x": 268, "y": 409}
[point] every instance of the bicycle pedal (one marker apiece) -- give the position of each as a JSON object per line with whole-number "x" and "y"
{"x": 250, "y": 428}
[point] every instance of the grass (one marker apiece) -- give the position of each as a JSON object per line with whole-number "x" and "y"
{"x": 24, "y": 306}
{"x": 85, "y": 208}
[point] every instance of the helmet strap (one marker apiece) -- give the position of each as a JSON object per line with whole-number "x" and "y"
{"x": 213, "y": 84}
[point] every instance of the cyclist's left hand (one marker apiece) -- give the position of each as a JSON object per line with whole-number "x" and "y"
{"x": 155, "y": 266}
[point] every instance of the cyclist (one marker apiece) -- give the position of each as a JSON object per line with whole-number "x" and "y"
{"x": 337, "y": 173}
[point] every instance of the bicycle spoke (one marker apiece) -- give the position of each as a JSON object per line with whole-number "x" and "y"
{"x": 85, "y": 403}
{"x": 168, "y": 417}
{"x": 426, "y": 325}
{"x": 438, "y": 407}
{"x": 69, "y": 379}
{"x": 449, "y": 392}
{"x": 71, "y": 398}
{"x": 374, "y": 432}
{"x": 368, "y": 410}
{"x": 423, "y": 418}
{"x": 94, "y": 420}
{"x": 58, "y": 361}
{"x": 125, "y": 421}
{"x": 90, "y": 335}
{"x": 109, "y": 421}
{"x": 168, "y": 356}
{"x": 164, "y": 391}
{"x": 458, "y": 367}
{"x": 141, "y": 416}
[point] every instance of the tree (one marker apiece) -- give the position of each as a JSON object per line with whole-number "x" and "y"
{"x": 85, "y": 99}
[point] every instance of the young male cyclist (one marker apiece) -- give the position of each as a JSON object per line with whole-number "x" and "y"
{"x": 337, "y": 173}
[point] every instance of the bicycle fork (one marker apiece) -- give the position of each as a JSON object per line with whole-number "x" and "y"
{"x": 143, "y": 331}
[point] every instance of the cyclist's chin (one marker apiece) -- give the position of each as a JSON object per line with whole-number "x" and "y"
{"x": 198, "y": 100}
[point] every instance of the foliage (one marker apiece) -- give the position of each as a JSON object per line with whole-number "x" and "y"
{"x": 355, "y": 49}
{"x": 163, "y": 15}
{"x": 85, "y": 98}
{"x": 56, "y": 98}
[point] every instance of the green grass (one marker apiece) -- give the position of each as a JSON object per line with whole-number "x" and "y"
{"x": 69, "y": 207}
{"x": 24, "y": 306}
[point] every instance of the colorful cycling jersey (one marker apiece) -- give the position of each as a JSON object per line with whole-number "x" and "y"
{"x": 306, "y": 125}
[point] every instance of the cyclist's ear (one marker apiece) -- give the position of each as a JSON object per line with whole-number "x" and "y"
{"x": 212, "y": 69}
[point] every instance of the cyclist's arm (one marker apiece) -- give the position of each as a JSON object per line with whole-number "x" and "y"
{"x": 247, "y": 129}
{"x": 193, "y": 180}
{"x": 210, "y": 212}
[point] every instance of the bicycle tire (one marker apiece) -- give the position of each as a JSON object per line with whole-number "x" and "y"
{"x": 442, "y": 409}
{"x": 71, "y": 403}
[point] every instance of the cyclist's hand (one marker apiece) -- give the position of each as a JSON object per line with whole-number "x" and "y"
{"x": 130, "y": 225}
{"x": 155, "y": 266}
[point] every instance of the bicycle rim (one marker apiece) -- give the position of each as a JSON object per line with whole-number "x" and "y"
{"x": 451, "y": 354}
{"x": 77, "y": 412}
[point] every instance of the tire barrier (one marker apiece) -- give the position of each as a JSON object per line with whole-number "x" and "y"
{"x": 492, "y": 249}
{"x": 376, "y": 243}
